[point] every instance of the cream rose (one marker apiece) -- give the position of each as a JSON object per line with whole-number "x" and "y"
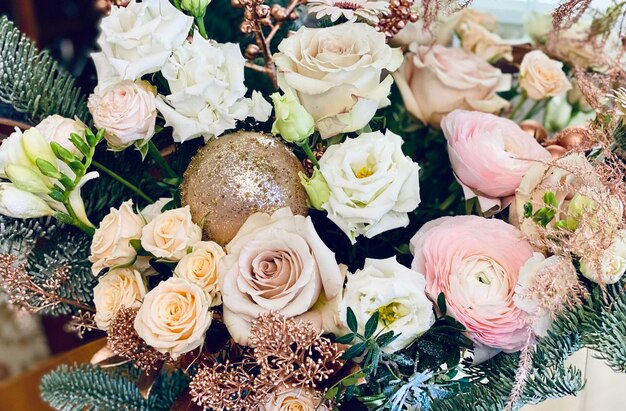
{"x": 110, "y": 246}
{"x": 485, "y": 44}
{"x": 610, "y": 265}
{"x": 121, "y": 287}
{"x": 152, "y": 211}
{"x": 373, "y": 185}
{"x": 170, "y": 234}
{"x": 293, "y": 399}
{"x": 58, "y": 129}
{"x": 335, "y": 72}
{"x": 138, "y": 38}
{"x": 435, "y": 80}
{"x": 174, "y": 317}
{"x": 200, "y": 268}
{"x": 276, "y": 263}
{"x": 126, "y": 111}
{"x": 542, "y": 77}
{"x": 396, "y": 293}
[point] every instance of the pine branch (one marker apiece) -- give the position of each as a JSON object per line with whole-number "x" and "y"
{"x": 32, "y": 82}
{"x": 85, "y": 387}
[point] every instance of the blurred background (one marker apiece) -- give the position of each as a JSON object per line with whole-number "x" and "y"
{"x": 68, "y": 29}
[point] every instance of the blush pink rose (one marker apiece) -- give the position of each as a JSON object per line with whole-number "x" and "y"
{"x": 490, "y": 155}
{"x": 475, "y": 263}
{"x": 435, "y": 80}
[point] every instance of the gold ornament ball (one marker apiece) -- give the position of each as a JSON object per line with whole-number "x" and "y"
{"x": 238, "y": 175}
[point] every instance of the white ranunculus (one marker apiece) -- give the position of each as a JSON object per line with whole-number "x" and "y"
{"x": 152, "y": 211}
{"x": 58, "y": 129}
{"x": 169, "y": 235}
{"x": 126, "y": 111}
{"x": 122, "y": 287}
{"x": 174, "y": 317}
{"x": 542, "y": 319}
{"x": 110, "y": 246}
{"x": 610, "y": 265}
{"x": 373, "y": 185}
{"x": 207, "y": 97}
{"x": 335, "y": 72}
{"x": 397, "y": 293}
{"x": 200, "y": 267}
{"x": 276, "y": 263}
{"x": 138, "y": 39}
{"x": 16, "y": 203}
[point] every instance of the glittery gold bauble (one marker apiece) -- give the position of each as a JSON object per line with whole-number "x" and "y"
{"x": 238, "y": 175}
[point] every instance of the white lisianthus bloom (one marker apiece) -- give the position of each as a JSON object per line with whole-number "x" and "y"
{"x": 122, "y": 287}
{"x": 138, "y": 39}
{"x": 397, "y": 293}
{"x": 373, "y": 185}
{"x": 174, "y": 317}
{"x": 207, "y": 97}
{"x": 335, "y": 72}
{"x": 611, "y": 264}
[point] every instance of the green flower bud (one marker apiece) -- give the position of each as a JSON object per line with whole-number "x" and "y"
{"x": 36, "y": 146}
{"x": 196, "y": 8}
{"x": 27, "y": 179}
{"x": 316, "y": 189}
{"x": 579, "y": 206}
{"x": 293, "y": 122}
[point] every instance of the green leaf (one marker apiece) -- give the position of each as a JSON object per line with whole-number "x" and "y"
{"x": 345, "y": 339}
{"x": 352, "y": 379}
{"x": 47, "y": 168}
{"x": 354, "y": 351}
{"x": 351, "y": 319}
{"x": 384, "y": 339}
{"x": 371, "y": 325}
{"x": 388, "y": 340}
{"x": 528, "y": 210}
{"x": 441, "y": 303}
{"x": 550, "y": 199}
{"x": 330, "y": 394}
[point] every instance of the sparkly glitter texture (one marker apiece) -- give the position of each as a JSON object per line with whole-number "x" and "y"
{"x": 238, "y": 175}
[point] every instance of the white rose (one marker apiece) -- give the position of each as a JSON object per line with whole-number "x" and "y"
{"x": 373, "y": 185}
{"x": 152, "y": 211}
{"x": 528, "y": 274}
{"x": 397, "y": 293}
{"x": 485, "y": 44}
{"x": 174, "y": 317}
{"x": 58, "y": 129}
{"x": 138, "y": 39}
{"x": 110, "y": 246}
{"x": 542, "y": 77}
{"x": 276, "y": 263}
{"x": 170, "y": 234}
{"x": 610, "y": 265}
{"x": 126, "y": 111}
{"x": 335, "y": 72}
{"x": 200, "y": 267}
{"x": 207, "y": 97}
{"x": 294, "y": 399}
{"x": 121, "y": 287}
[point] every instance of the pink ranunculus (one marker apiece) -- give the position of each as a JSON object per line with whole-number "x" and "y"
{"x": 490, "y": 155}
{"x": 475, "y": 263}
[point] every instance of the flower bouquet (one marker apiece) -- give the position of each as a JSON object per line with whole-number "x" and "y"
{"x": 321, "y": 205}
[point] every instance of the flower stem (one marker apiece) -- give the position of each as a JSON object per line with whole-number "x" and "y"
{"x": 77, "y": 223}
{"x": 121, "y": 180}
{"x": 533, "y": 110}
{"x": 309, "y": 154}
{"x": 161, "y": 162}
{"x": 518, "y": 106}
{"x": 201, "y": 27}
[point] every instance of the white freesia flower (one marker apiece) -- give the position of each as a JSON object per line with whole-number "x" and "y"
{"x": 207, "y": 97}
{"x": 611, "y": 264}
{"x": 335, "y": 72}
{"x": 122, "y": 287}
{"x": 174, "y": 317}
{"x": 110, "y": 246}
{"x": 170, "y": 234}
{"x": 16, "y": 203}
{"x": 397, "y": 293}
{"x": 373, "y": 185}
{"x": 12, "y": 152}
{"x": 200, "y": 267}
{"x": 138, "y": 39}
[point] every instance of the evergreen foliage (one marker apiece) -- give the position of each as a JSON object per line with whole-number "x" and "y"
{"x": 32, "y": 81}
{"x": 89, "y": 388}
